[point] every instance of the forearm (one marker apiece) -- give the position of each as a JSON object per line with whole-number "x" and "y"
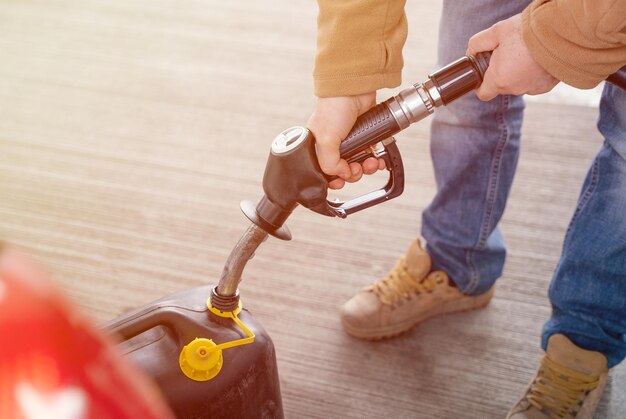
{"x": 359, "y": 46}
{"x": 580, "y": 42}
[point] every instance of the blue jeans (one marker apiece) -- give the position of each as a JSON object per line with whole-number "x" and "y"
{"x": 588, "y": 289}
{"x": 475, "y": 148}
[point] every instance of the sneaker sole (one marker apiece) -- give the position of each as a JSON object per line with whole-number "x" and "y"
{"x": 389, "y": 331}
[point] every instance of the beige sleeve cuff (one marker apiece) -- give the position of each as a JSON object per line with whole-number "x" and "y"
{"x": 359, "y": 46}
{"x": 580, "y": 42}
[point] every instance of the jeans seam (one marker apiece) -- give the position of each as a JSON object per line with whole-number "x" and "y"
{"x": 491, "y": 191}
{"x": 584, "y": 199}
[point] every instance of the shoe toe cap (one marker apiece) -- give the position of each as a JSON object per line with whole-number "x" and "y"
{"x": 361, "y": 311}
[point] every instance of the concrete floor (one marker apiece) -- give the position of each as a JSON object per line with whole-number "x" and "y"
{"x": 130, "y": 131}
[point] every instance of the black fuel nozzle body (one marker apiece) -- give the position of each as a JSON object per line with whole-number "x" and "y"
{"x": 292, "y": 176}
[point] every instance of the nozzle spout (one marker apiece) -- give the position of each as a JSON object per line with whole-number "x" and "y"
{"x": 226, "y": 289}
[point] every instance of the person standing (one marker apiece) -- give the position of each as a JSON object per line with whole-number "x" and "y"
{"x": 475, "y": 147}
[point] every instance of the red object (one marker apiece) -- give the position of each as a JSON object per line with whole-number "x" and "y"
{"x": 54, "y": 364}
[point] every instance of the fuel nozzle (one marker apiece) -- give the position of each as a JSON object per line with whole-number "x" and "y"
{"x": 293, "y": 176}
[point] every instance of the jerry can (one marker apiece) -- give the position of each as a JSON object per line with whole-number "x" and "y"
{"x": 207, "y": 363}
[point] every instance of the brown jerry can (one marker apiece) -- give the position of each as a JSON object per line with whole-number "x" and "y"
{"x": 239, "y": 382}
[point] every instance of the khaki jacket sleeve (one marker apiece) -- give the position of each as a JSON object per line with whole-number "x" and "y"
{"x": 580, "y": 42}
{"x": 359, "y": 46}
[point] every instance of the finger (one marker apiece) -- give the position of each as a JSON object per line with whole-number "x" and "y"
{"x": 330, "y": 161}
{"x": 356, "y": 172}
{"x": 381, "y": 164}
{"x": 488, "y": 88}
{"x": 370, "y": 165}
{"x": 486, "y": 40}
{"x": 336, "y": 184}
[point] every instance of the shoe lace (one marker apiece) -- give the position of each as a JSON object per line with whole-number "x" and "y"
{"x": 399, "y": 284}
{"x": 558, "y": 390}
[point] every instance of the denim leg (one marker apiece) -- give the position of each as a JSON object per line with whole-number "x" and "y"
{"x": 474, "y": 149}
{"x": 588, "y": 289}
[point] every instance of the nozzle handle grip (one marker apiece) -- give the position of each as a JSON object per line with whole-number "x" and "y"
{"x": 379, "y": 123}
{"x": 393, "y": 188}
{"x": 370, "y": 128}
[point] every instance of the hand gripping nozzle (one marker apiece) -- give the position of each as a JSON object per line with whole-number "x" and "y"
{"x": 293, "y": 176}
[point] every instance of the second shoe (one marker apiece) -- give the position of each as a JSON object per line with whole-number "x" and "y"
{"x": 408, "y": 295}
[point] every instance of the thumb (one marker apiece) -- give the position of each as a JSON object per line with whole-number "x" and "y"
{"x": 329, "y": 158}
{"x": 330, "y": 123}
{"x": 486, "y": 40}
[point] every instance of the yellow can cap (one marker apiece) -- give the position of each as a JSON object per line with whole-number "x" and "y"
{"x": 200, "y": 361}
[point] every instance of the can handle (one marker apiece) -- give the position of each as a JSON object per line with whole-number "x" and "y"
{"x": 143, "y": 320}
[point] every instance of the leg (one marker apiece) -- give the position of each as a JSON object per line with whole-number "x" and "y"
{"x": 474, "y": 147}
{"x": 588, "y": 290}
{"x": 586, "y": 333}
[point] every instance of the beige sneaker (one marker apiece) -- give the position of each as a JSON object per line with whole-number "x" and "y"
{"x": 408, "y": 295}
{"x": 568, "y": 384}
